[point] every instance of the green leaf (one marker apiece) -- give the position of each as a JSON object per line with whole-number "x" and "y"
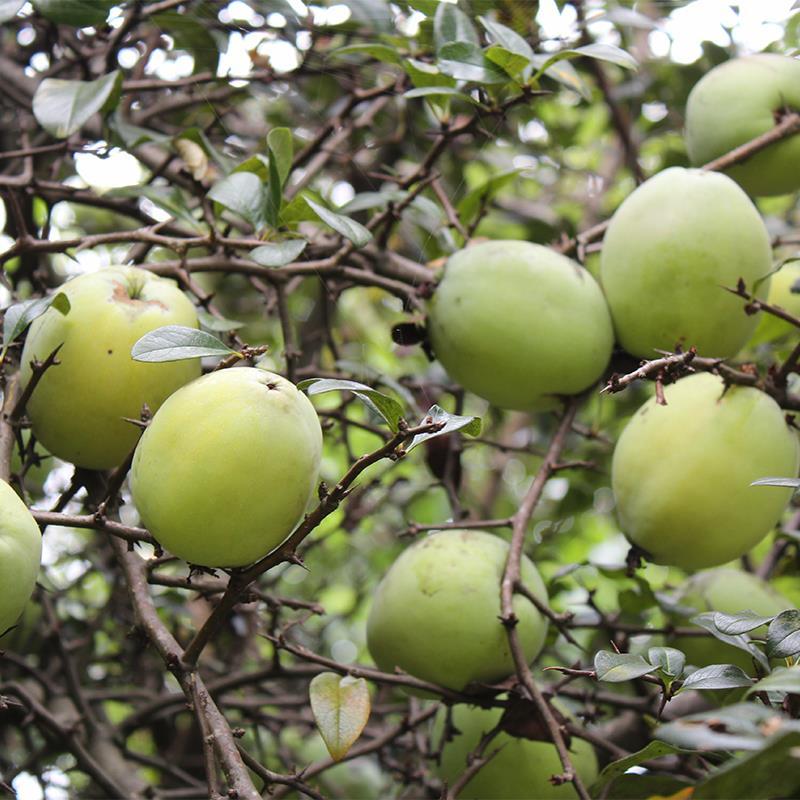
{"x": 168, "y": 198}
{"x": 281, "y": 148}
{"x": 789, "y": 483}
{"x": 364, "y": 201}
{"x": 508, "y": 38}
{"x": 717, "y": 676}
{"x": 424, "y": 74}
{"x": 613, "y": 770}
{"x": 384, "y": 406}
{"x": 560, "y": 70}
{"x": 512, "y": 64}
{"x": 349, "y": 228}
{"x": 78, "y": 13}
{"x": 740, "y": 641}
{"x": 476, "y": 198}
{"x": 781, "y": 679}
{"x": 451, "y": 24}
{"x": 743, "y": 622}
{"x": 619, "y": 667}
{"x": 783, "y": 635}
{"x": 212, "y": 323}
{"x": 257, "y": 164}
{"x": 341, "y": 708}
{"x": 465, "y": 61}
{"x": 471, "y": 426}
{"x": 668, "y": 659}
{"x": 278, "y": 254}
{"x": 244, "y": 194}
{"x": 132, "y": 135}
{"x": 740, "y": 726}
{"x": 608, "y": 52}
{"x": 176, "y": 343}
{"x": 764, "y": 775}
{"x": 9, "y": 9}
{"x": 17, "y": 317}
{"x": 380, "y": 52}
{"x": 63, "y": 107}
{"x": 274, "y": 193}
{"x": 434, "y": 91}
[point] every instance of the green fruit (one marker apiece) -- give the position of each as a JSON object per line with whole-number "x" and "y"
{"x": 20, "y": 555}
{"x": 522, "y": 768}
{"x": 519, "y": 324}
{"x": 729, "y": 591}
{"x": 670, "y": 250}
{"x": 436, "y": 612}
{"x": 771, "y": 328}
{"x": 734, "y": 103}
{"x": 77, "y": 408}
{"x": 227, "y": 467}
{"x": 681, "y": 473}
{"x": 25, "y": 636}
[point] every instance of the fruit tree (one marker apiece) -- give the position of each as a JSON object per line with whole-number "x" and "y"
{"x": 398, "y": 399}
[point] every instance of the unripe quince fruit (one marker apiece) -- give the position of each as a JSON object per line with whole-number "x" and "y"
{"x": 669, "y": 253}
{"x": 20, "y": 556}
{"x": 681, "y": 473}
{"x": 227, "y": 467}
{"x": 522, "y": 768}
{"x": 519, "y": 324}
{"x": 77, "y": 408}
{"x": 738, "y": 101}
{"x": 436, "y": 612}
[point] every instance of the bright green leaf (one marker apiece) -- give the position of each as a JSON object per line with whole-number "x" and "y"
{"x": 277, "y": 254}
{"x": 177, "y": 342}
{"x": 349, "y": 228}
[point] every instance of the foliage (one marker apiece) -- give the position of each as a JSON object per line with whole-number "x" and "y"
{"x": 303, "y": 172}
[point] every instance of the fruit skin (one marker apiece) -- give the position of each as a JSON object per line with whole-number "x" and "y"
{"x": 729, "y": 591}
{"x": 436, "y": 612}
{"x": 681, "y": 473}
{"x": 20, "y": 556}
{"x": 734, "y": 103}
{"x": 517, "y": 323}
{"x": 77, "y": 407}
{"x": 522, "y": 768}
{"x": 669, "y": 251}
{"x": 227, "y": 467}
{"x": 771, "y": 328}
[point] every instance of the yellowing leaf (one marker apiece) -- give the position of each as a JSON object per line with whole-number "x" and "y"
{"x": 341, "y": 709}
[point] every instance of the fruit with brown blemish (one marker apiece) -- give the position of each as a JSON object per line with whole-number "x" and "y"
{"x": 79, "y": 406}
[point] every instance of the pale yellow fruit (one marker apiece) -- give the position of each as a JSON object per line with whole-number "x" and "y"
{"x": 436, "y": 612}
{"x": 78, "y": 406}
{"x": 522, "y": 768}
{"x": 20, "y": 555}
{"x": 671, "y": 250}
{"x": 681, "y": 473}
{"x": 227, "y": 467}
{"x": 738, "y": 101}
{"x": 519, "y": 324}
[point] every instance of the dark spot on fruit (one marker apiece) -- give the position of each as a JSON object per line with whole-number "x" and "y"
{"x": 110, "y": 352}
{"x": 272, "y": 385}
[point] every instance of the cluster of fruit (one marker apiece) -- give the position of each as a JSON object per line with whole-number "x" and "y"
{"x": 513, "y": 322}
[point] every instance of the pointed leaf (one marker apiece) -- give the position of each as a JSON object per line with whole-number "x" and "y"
{"x": 608, "y": 52}
{"x": 177, "y": 342}
{"x": 471, "y": 426}
{"x": 467, "y": 62}
{"x": 244, "y": 194}
{"x": 740, "y": 641}
{"x": 781, "y": 679}
{"x": 616, "y": 768}
{"x": 668, "y": 659}
{"x": 341, "y": 708}
{"x": 383, "y": 405}
{"x": 559, "y": 69}
{"x": 513, "y": 64}
{"x": 380, "y": 52}
{"x": 618, "y": 667}
{"x": 62, "y": 107}
{"x": 743, "y": 622}
{"x": 451, "y": 24}
{"x": 717, "y": 676}
{"x": 349, "y": 228}
{"x": 783, "y": 635}
{"x": 17, "y": 317}
{"x": 278, "y": 254}
{"x": 438, "y": 91}
{"x": 279, "y": 141}
{"x": 506, "y": 37}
